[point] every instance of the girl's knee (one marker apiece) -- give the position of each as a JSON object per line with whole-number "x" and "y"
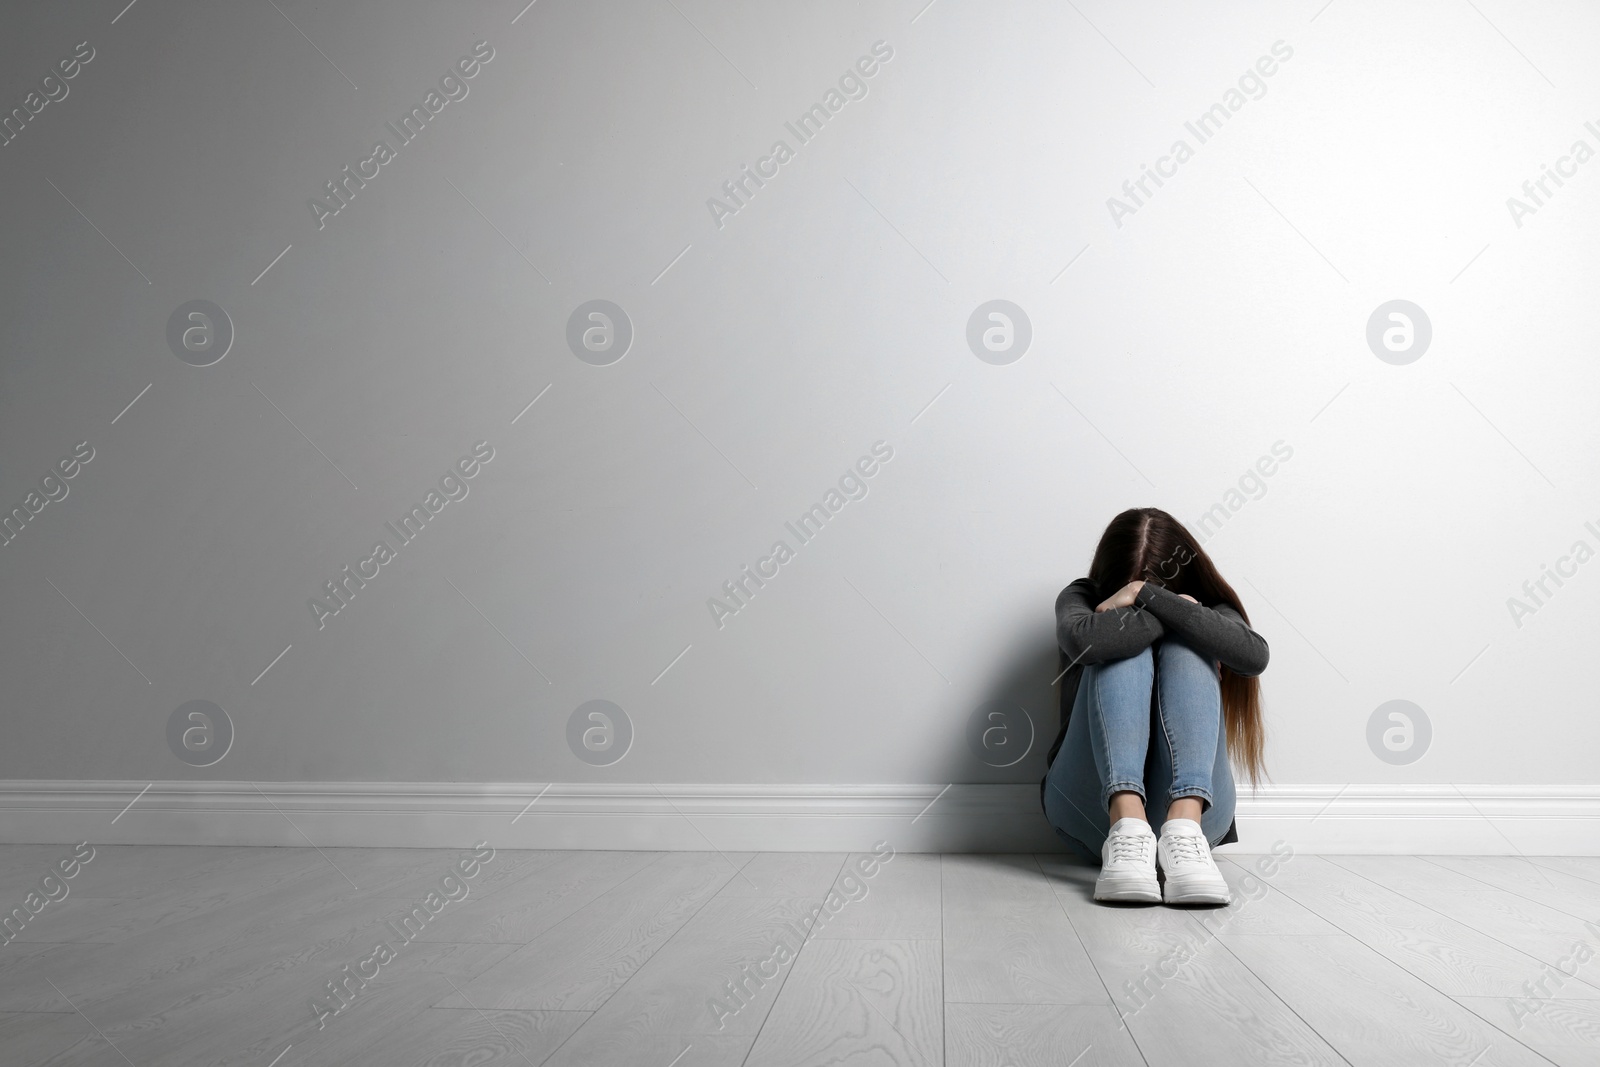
{"x": 1139, "y": 661}
{"x": 1171, "y": 652}
{"x": 1170, "y": 647}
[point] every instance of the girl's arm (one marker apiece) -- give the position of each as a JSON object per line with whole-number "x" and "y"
{"x": 1087, "y": 636}
{"x": 1217, "y": 633}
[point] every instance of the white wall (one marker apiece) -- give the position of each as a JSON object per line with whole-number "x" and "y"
{"x": 1227, "y": 313}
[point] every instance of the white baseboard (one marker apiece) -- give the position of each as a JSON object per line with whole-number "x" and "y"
{"x": 1414, "y": 819}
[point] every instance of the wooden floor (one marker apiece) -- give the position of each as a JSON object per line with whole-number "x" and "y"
{"x": 173, "y": 956}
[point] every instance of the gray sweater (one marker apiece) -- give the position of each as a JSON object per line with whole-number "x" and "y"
{"x": 1086, "y": 636}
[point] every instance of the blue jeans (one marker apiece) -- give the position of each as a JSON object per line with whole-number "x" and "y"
{"x": 1168, "y": 690}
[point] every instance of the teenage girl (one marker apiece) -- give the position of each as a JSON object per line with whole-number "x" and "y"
{"x": 1157, "y": 646}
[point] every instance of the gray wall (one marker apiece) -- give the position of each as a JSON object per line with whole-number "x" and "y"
{"x": 1175, "y": 340}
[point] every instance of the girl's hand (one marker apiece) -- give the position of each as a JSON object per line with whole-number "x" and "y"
{"x": 1189, "y": 598}
{"x": 1122, "y": 598}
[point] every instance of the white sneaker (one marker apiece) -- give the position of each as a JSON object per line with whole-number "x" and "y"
{"x": 1128, "y": 863}
{"x": 1191, "y": 873}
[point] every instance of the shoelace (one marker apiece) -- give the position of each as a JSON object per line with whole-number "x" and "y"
{"x": 1186, "y": 848}
{"x": 1129, "y": 846}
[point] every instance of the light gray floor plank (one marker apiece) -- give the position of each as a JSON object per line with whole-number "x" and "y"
{"x": 192, "y": 956}
{"x": 1544, "y": 933}
{"x": 1383, "y": 1016}
{"x": 441, "y": 1037}
{"x": 794, "y": 874}
{"x": 1257, "y": 906}
{"x": 521, "y": 911}
{"x": 1037, "y": 1035}
{"x": 1576, "y": 896}
{"x": 116, "y": 914}
{"x": 410, "y": 873}
{"x": 23, "y": 979}
{"x": 91, "y": 1051}
{"x": 226, "y": 1027}
{"x": 579, "y": 963}
{"x": 1452, "y": 957}
{"x": 1184, "y": 997}
{"x": 81, "y": 919}
{"x": 231, "y": 951}
{"x": 722, "y": 971}
{"x": 1020, "y": 955}
{"x": 28, "y": 1038}
{"x": 974, "y": 880}
{"x": 128, "y": 871}
{"x": 735, "y": 918}
{"x": 17, "y": 957}
{"x": 899, "y": 902}
{"x": 137, "y": 871}
{"x": 849, "y": 1001}
{"x": 1006, "y": 939}
{"x": 595, "y": 1047}
{"x": 703, "y": 987}
{"x": 24, "y": 865}
{"x": 1585, "y": 867}
{"x": 230, "y": 948}
{"x": 1567, "y": 1032}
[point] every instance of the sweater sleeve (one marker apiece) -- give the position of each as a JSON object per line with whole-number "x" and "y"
{"x": 1088, "y": 636}
{"x": 1219, "y": 632}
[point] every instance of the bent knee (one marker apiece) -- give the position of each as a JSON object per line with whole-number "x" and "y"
{"x": 1174, "y": 655}
{"x": 1174, "y": 648}
{"x": 1138, "y": 669}
{"x": 1140, "y": 658}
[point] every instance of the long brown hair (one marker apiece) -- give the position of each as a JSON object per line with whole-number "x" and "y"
{"x": 1150, "y": 545}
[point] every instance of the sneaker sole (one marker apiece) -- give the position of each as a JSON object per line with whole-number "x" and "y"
{"x": 1128, "y": 889}
{"x": 1201, "y": 893}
